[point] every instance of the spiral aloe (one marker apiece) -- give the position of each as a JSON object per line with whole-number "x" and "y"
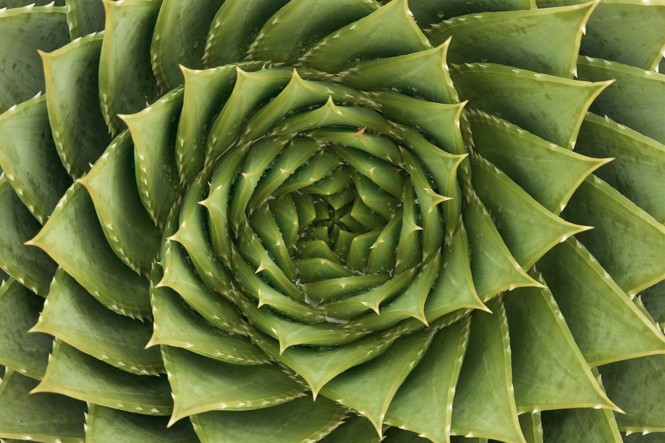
{"x": 336, "y": 220}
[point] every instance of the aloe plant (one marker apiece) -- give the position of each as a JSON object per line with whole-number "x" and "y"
{"x": 337, "y": 220}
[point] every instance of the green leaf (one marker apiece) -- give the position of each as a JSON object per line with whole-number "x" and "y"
{"x": 619, "y": 225}
{"x": 29, "y": 159}
{"x": 251, "y": 89}
{"x": 43, "y": 417}
{"x": 105, "y": 424}
{"x": 484, "y": 405}
{"x": 179, "y": 276}
{"x": 300, "y": 24}
{"x": 370, "y": 388}
{"x": 637, "y": 387}
{"x": 75, "y": 317}
{"x": 454, "y": 288}
{"x": 318, "y": 366}
{"x": 204, "y": 90}
{"x": 355, "y": 429}
{"x": 85, "y": 378}
{"x": 528, "y": 229}
{"x": 634, "y": 99}
{"x": 22, "y": 75}
{"x": 606, "y": 325}
{"x": 126, "y": 82}
{"x": 639, "y": 26}
{"x": 153, "y": 131}
{"x": 522, "y": 39}
{"x": 365, "y": 39}
{"x": 72, "y": 97}
{"x": 19, "y": 351}
{"x": 179, "y": 39}
{"x": 30, "y": 266}
{"x": 200, "y": 384}
{"x": 194, "y": 236}
{"x": 637, "y": 165}
{"x": 596, "y": 426}
{"x": 532, "y": 427}
{"x": 428, "y": 12}
{"x": 422, "y": 74}
{"x": 549, "y": 371}
{"x": 547, "y": 106}
{"x": 175, "y": 324}
{"x": 493, "y": 268}
{"x": 234, "y": 27}
{"x": 74, "y": 239}
{"x": 518, "y": 153}
{"x": 298, "y": 420}
{"x": 423, "y": 404}
{"x": 437, "y": 121}
{"x": 84, "y": 18}
{"x": 127, "y": 226}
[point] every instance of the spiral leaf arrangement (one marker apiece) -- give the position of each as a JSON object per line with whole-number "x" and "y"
{"x": 337, "y": 220}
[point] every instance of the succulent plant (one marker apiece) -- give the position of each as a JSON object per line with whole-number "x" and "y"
{"x": 337, "y": 220}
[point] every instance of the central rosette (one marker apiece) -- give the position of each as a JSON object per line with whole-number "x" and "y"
{"x": 323, "y": 215}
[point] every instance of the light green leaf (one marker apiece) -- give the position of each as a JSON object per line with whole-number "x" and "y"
{"x": 370, "y": 388}
{"x": 532, "y": 427}
{"x": 75, "y": 317}
{"x": 106, "y": 424}
{"x": 72, "y": 97}
{"x": 200, "y": 384}
{"x": 484, "y": 405}
{"x": 234, "y": 27}
{"x": 493, "y": 268}
{"x": 549, "y": 371}
{"x": 547, "y": 106}
{"x": 522, "y": 39}
{"x": 153, "y": 133}
{"x": 626, "y": 31}
{"x": 422, "y": 74}
{"x": 126, "y": 82}
{"x": 204, "y": 90}
{"x": 298, "y": 420}
{"x": 27, "y": 264}
{"x": 518, "y": 153}
{"x": 528, "y": 229}
{"x": 179, "y": 276}
{"x": 85, "y": 378}
{"x": 84, "y": 18}
{"x": 619, "y": 225}
{"x": 634, "y": 99}
{"x": 637, "y": 165}
{"x": 423, "y": 404}
{"x": 301, "y": 23}
{"x": 428, "y": 12}
{"x": 22, "y": 76}
{"x": 318, "y": 366}
{"x": 127, "y": 226}
{"x": 29, "y": 159}
{"x": 74, "y": 239}
{"x": 387, "y": 32}
{"x": 179, "y": 39}
{"x": 355, "y": 429}
{"x": 250, "y": 90}
{"x": 606, "y": 325}
{"x": 454, "y": 288}
{"x": 637, "y": 387}
{"x": 19, "y": 351}
{"x": 43, "y": 417}
{"x": 175, "y": 324}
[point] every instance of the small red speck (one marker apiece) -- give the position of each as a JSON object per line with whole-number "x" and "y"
{"x": 361, "y": 132}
